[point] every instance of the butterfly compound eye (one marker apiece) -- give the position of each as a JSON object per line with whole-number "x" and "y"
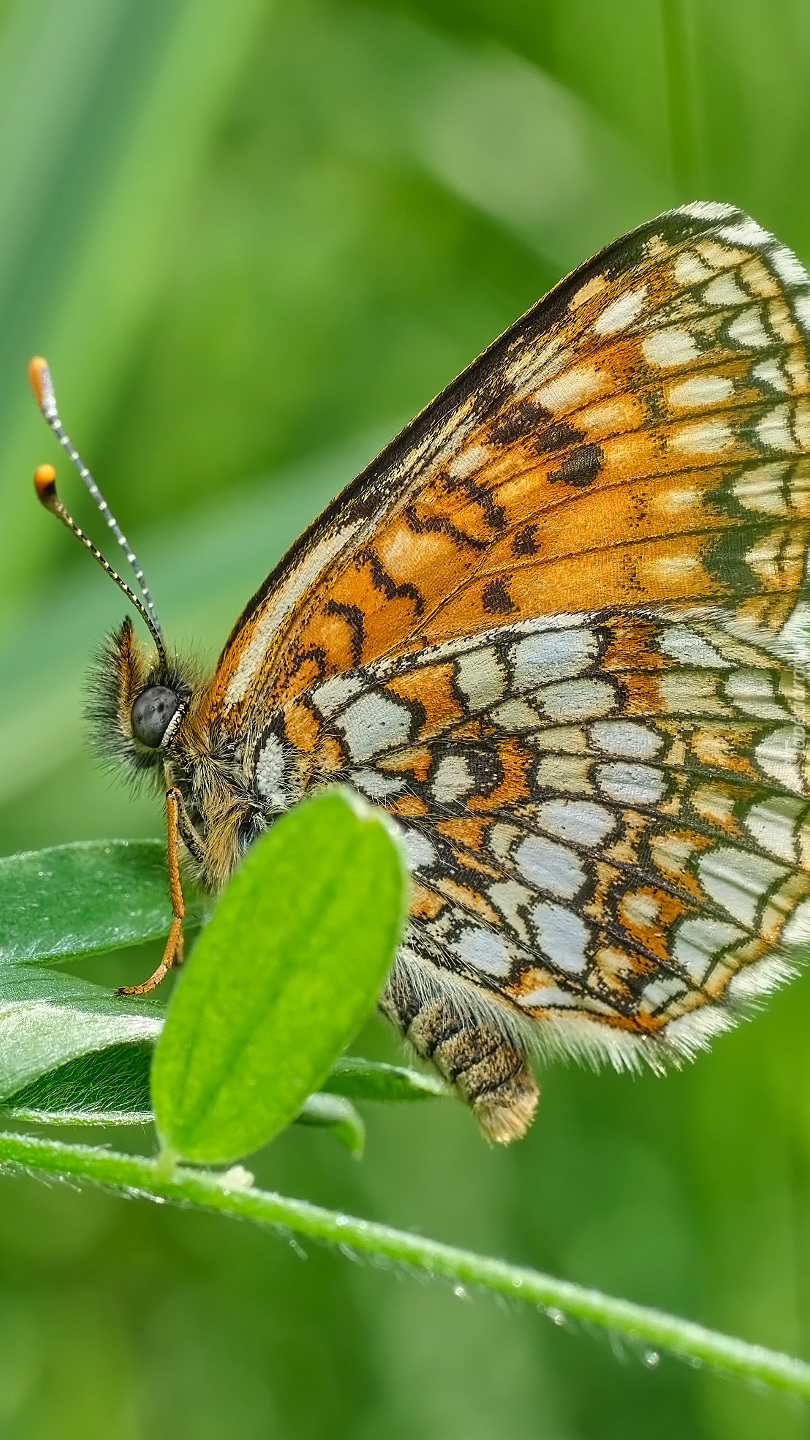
{"x": 153, "y": 713}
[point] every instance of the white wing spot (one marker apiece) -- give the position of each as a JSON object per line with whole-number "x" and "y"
{"x": 469, "y": 460}
{"x": 774, "y": 430}
{"x": 581, "y": 821}
{"x": 484, "y": 951}
{"x": 698, "y": 942}
{"x": 334, "y": 693}
{"x": 779, "y": 753}
{"x": 672, "y": 568}
{"x": 626, "y": 738}
{"x": 271, "y": 773}
{"x": 724, "y": 291}
{"x": 511, "y": 898}
{"x": 738, "y": 881}
{"x": 621, "y": 312}
{"x": 374, "y": 723}
{"x": 671, "y": 852}
{"x": 638, "y": 909}
{"x": 631, "y": 784}
{"x": 747, "y": 330}
{"x": 770, "y": 373}
{"x": 548, "y": 997}
{"x": 689, "y": 269}
{"x": 515, "y": 715}
{"x": 762, "y": 488}
{"x": 706, "y": 437}
{"x": 690, "y": 648}
{"x": 563, "y": 774}
{"x": 551, "y": 655}
{"x": 773, "y": 823}
{"x": 660, "y": 992}
{"x": 576, "y": 699}
{"x": 570, "y": 389}
{"x": 669, "y": 348}
{"x": 673, "y": 501}
{"x": 419, "y": 851}
{"x": 701, "y": 390}
{"x": 550, "y": 867}
{"x": 752, "y": 692}
{"x": 562, "y": 936}
{"x": 481, "y": 677}
{"x": 501, "y": 838}
{"x": 452, "y": 780}
{"x": 685, "y": 694}
{"x": 376, "y": 785}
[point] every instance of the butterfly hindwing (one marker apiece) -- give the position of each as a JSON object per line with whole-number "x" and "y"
{"x": 607, "y": 818}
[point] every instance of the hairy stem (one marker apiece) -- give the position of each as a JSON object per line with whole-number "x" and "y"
{"x": 653, "y": 1329}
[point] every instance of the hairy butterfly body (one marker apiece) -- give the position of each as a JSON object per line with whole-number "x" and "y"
{"x": 559, "y": 630}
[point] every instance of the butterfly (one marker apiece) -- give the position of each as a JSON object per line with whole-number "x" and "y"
{"x": 559, "y": 630}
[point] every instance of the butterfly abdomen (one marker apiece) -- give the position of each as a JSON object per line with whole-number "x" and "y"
{"x": 476, "y": 1055}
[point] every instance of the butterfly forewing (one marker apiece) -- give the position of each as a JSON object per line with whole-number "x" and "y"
{"x": 639, "y": 436}
{"x": 558, "y": 629}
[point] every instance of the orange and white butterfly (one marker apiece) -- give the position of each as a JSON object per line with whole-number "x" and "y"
{"x": 558, "y": 630}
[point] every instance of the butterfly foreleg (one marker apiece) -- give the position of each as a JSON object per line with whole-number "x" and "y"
{"x": 486, "y": 1065}
{"x": 173, "y": 953}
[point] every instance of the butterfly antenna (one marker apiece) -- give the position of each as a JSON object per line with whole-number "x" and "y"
{"x": 42, "y": 386}
{"x": 45, "y": 486}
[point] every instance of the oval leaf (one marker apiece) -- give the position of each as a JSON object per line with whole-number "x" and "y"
{"x": 361, "y": 1079}
{"x": 48, "y": 1019}
{"x": 335, "y": 1113}
{"x": 82, "y": 899}
{"x": 281, "y": 979}
{"x": 109, "y": 1087}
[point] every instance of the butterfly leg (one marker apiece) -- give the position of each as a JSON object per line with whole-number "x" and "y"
{"x": 173, "y": 953}
{"x": 487, "y": 1067}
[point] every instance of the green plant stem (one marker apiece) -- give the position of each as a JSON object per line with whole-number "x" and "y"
{"x": 653, "y": 1329}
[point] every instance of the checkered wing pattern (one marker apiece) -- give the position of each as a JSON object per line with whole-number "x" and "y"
{"x": 558, "y": 629}
{"x": 607, "y": 817}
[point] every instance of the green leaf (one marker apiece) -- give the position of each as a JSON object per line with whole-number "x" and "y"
{"x": 83, "y": 899}
{"x": 47, "y": 1019}
{"x": 334, "y": 1113}
{"x": 361, "y": 1079}
{"x": 110, "y": 1087}
{"x": 281, "y": 979}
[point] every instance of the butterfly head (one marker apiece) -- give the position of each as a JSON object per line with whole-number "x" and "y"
{"x": 137, "y": 703}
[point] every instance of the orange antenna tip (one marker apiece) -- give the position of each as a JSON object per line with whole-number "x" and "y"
{"x": 42, "y": 385}
{"x": 45, "y": 484}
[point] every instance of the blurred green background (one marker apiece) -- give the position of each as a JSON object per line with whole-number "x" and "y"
{"x": 252, "y": 240}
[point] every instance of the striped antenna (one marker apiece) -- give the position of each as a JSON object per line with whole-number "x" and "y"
{"x": 42, "y": 386}
{"x": 45, "y": 486}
